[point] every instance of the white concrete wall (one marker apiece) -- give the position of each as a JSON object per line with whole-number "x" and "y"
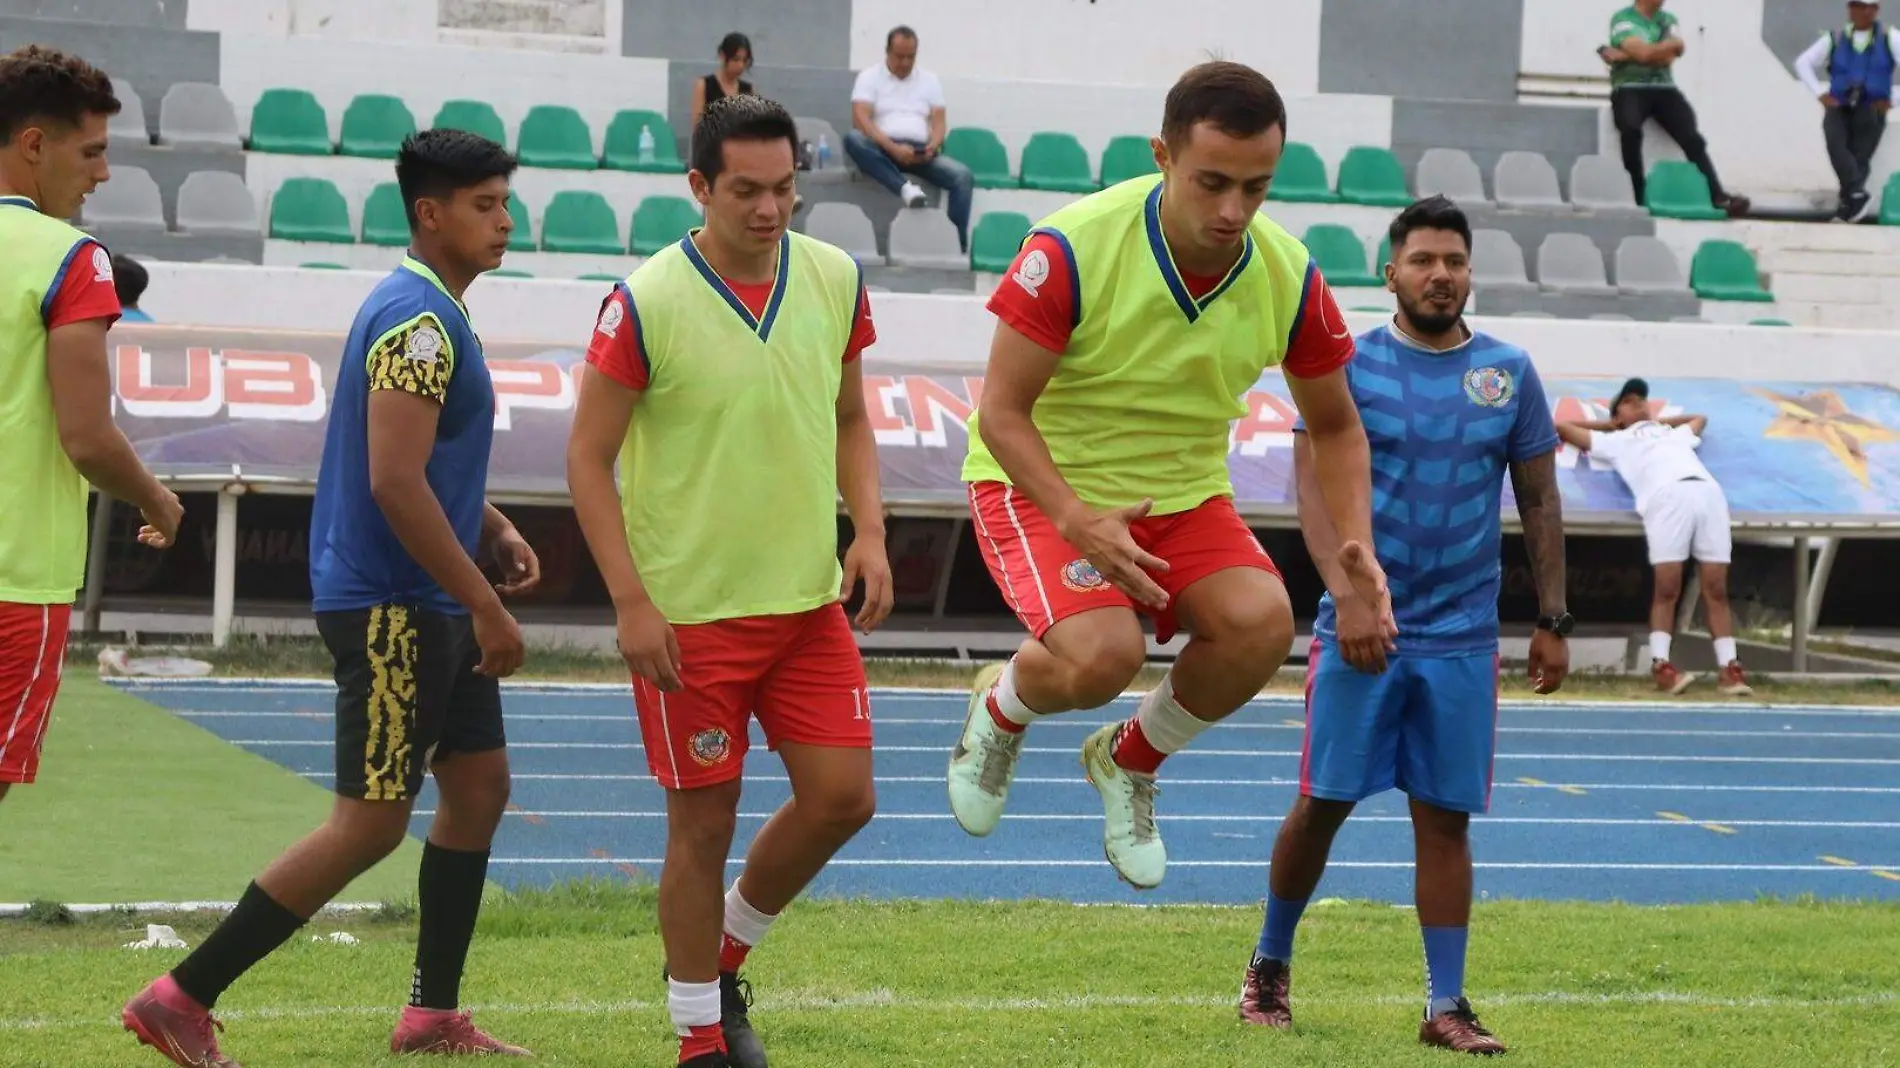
{"x": 409, "y": 22}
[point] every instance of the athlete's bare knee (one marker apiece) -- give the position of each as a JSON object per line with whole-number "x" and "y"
{"x": 1441, "y": 824}
{"x": 368, "y": 831}
{"x": 1668, "y": 589}
{"x": 1099, "y": 656}
{"x": 1318, "y": 813}
{"x": 701, "y": 821}
{"x": 842, "y": 810}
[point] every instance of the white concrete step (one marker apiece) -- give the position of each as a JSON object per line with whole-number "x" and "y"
{"x": 1808, "y": 261}
{"x": 1834, "y": 288}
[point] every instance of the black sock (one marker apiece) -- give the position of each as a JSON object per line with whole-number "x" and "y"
{"x": 450, "y": 893}
{"x": 253, "y": 931}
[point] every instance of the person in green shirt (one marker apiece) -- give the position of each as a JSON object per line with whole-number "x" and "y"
{"x": 1643, "y": 47}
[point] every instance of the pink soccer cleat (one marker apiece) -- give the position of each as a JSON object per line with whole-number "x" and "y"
{"x": 168, "y": 1020}
{"x": 446, "y": 1031}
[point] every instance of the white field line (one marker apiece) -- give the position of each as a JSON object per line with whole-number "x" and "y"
{"x": 1086, "y": 817}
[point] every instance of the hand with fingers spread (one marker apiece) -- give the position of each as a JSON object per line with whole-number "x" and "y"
{"x": 520, "y": 566}
{"x": 1550, "y": 661}
{"x": 1103, "y": 538}
{"x": 866, "y": 560}
{"x": 648, "y": 644}
{"x": 499, "y": 638}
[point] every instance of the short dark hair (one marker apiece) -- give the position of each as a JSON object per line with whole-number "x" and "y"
{"x": 734, "y": 43}
{"x": 129, "y": 279}
{"x": 738, "y": 118}
{"x": 1239, "y": 100}
{"x": 45, "y": 83}
{"x": 1431, "y": 213}
{"x": 896, "y": 32}
{"x": 1635, "y": 387}
{"x": 436, "y": 163}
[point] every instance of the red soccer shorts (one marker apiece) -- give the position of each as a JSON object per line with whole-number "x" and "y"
{"x": 801, "y": 675}
{"x": 32, "y": 655}
{"x": 1045, "y": 580}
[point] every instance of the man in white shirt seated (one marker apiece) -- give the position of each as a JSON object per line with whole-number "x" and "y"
{"x": 898, "y": 126}
{"x": 1684, "y": 514}
{"x": 1850, "y": 71}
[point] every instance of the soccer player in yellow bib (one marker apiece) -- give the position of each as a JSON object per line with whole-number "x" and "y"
{"x": 1132, "y": 327}
{"x": 56, "y": 303}
{"x": 723, "y": 376}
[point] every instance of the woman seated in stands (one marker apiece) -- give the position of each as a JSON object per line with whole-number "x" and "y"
{"x": 735, "y": 58}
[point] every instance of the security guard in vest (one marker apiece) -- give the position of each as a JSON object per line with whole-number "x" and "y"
{"x": 1851, "y": 71}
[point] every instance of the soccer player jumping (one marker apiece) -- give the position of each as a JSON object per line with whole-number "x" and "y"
{"x": 1448, "y": 411}
{"x": 723, "y": 376}
{"x": 55, "y": 383}
{"x": 1133, "y": 324}
{"x": 420, "y": 638}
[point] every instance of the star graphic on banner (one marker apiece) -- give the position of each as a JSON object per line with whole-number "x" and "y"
{"x": 1823, "y": 417}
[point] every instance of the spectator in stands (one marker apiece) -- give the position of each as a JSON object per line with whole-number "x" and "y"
{"x": 1685, "y": 513}
{"x": 130, "y": 279}
{"x": 735, "y": 58}
{"x": 1858, "y": 62}
{"x": 897, "y": 115}
{"x": 1643, "y": 46}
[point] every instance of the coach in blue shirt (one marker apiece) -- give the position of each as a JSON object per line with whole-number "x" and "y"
{"x": 1448, "y": 411}
{"x": 1850, "y": 71}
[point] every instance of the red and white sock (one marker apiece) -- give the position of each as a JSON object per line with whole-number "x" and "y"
{"x": 695, "y": 1011}
{"x": 745, "y": 928}
{"x": 1159, "y": 728}
{"x": 1006, "y": 708}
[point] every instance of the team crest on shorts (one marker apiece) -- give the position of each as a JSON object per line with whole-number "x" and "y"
{"x": 1489, "y": 386}
{"x": 710, "y": 746}
{"x": 1081, "y": 576}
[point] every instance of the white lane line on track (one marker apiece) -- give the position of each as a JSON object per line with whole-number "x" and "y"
{"x": 1093, "y": 817}
{"x": 812, "y": 1001}
{"x": 993, "y": 862}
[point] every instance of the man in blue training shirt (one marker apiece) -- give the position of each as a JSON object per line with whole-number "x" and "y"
{"x": 1446, "y": 411}
{"x": 419, "y": 635}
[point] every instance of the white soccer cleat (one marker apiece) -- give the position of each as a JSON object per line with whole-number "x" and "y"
{"x": 1129, "y": 835}
{"x": 984, "y": 762}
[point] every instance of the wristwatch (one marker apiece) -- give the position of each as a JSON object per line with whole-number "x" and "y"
{"x": 1561, "y": 625}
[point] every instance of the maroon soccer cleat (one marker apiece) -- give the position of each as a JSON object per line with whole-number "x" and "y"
{"x": 1459, "y": 1030}
{"x": 1669, "y": 678}
{"x": 1734, "y": 680}
{"x": 446, "y": 1031}
{"x": 1264, "y": 994}
{"x": 183, "y": 1031}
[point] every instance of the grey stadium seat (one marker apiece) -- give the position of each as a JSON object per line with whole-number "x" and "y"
{"x": 809, "y": 129}
{"x": 1646, "y": 265}
{"x": 1497, "y": 263}
{"x": 1612, "y": 317}
{"x": 129, "y": 124}
{"x": 194, "y": 113}
{"x": 1572, "y": 263}
{"x": 1532, "y": 313}
{"x": 1599, "y": 183}
{"x": 129, "y": 200}
{"x": 1449, "y": 172}
{"x": 924, "y": 238}
{"x": 216, "y": 202}
{"x": 846, "y": 226}
{"x": 1526, "y": 180}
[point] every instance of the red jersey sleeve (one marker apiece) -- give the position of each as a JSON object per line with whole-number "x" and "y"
{"x": 1321, "y": 343}
{"x": 1038, "y": 297}
{"x": 84, "y": 288}
{"x": 616, "y": 349}
{"x": 863, "y": 330}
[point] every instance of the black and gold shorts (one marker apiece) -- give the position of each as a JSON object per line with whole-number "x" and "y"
{"x": 407, "y": 695}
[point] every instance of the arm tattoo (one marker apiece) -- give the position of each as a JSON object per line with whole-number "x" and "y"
{"x": 1541, "y": 508}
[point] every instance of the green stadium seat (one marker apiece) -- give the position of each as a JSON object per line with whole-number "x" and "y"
{"x": 290, "y": 121}
{"x": 1890, "y": 201}
{"x": 996, "y": 239}
{"x": 580, "y": 221}
{"x": 375, "y": 126}
{"x": 1725, "y": 270}
{"x": 384, "y": 220}
{"x": 521, "y": 238}
{"x": 622, "y": 149}
{"x": 473, "y": 116}
{"x": 1057, "y": 162}
{"x": 1769, "y": 322}
{"x": 1676, "y": 190}
{"x": 1373, "y": 308}
{"x": 555, "y": 136}
{"x": 612, "y": 278}
{"x": 322, "y": 266}
{"x": 979, "y": 150}
{"x": 1373, "y": 176}
{"x": 506, "y": 272}
{"x": 1127, "y": 157}
{"x": 660, "y": 221}
{"x": 1340, "y": 254}
{"x": 310, "y": 209}
{"x": 1301, "y": 177}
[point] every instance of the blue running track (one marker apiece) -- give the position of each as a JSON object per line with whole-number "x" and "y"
{"x": 1645, "y": 803}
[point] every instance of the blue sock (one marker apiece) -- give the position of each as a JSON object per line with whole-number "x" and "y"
{"x": 1445, "y": 965}
{"x": 1276, "y": 934}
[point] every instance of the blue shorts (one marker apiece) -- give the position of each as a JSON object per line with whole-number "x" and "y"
{"x": 1425, "y": 725}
